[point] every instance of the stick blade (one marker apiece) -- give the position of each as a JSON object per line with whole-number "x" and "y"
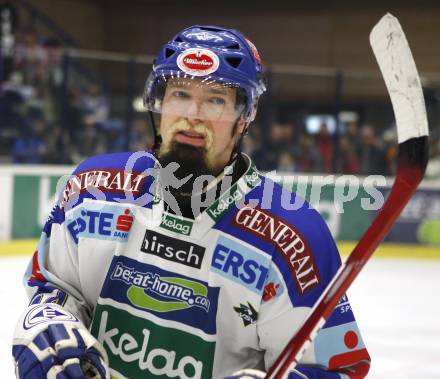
{"x": 401, "y": 78}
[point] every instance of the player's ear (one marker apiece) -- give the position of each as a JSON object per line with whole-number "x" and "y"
{"x": 241, "y": 125}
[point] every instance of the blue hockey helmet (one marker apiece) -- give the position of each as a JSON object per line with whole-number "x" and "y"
{"x": 213, "y": 56}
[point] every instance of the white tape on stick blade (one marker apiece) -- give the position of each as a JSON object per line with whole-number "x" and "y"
{"x": 400, "y": 74}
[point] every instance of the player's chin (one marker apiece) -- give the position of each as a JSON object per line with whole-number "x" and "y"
{"x": 186, "y": 154}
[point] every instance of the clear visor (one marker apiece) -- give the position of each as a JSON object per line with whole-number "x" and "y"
{"x": 193, "y": 98}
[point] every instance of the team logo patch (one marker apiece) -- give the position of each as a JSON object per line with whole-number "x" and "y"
{"x": 100, "y": 221}
{"x": 172, "y": 249}
{"x": 46, "y": 313}
{"x": 247, "y": 313}
{"x": 198, "y": 62}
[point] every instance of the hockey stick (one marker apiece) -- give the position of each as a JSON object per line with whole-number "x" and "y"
{"x": 398, "y": 69}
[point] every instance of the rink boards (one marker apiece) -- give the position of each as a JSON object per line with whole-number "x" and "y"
{"x": 385, "y": 250}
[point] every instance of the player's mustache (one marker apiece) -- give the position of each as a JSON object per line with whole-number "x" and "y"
{"x": 203, "y": 129}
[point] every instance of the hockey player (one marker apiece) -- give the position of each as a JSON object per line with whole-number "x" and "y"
{"x": 183, "y": 262}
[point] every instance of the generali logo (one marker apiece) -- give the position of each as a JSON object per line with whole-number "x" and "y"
{"x": 291, "y": 244}
{"x": 198, "y": 62}
{"x": 106, "y": 180}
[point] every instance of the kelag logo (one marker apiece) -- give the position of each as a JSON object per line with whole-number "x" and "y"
{"x": 139, "y": 348}
{"x": 176, "y": 224}
{"x": 230, "y": 198}
{"x": 95, "y": 220}
{"x": 172, "y": 249}
{"x": 240, "y": 264}
{"x": 161, "y": 294}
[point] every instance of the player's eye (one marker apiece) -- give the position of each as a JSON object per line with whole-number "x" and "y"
{"x": 217, "y": 100}
{"x": 181, "y": 94}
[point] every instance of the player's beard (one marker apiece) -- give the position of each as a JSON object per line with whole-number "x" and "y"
{"x": 193, "y": 161}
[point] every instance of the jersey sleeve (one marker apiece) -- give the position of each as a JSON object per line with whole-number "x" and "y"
{"x": 305, "y": 259}
{"x": 52, "y": 275}
{"x": 93, "y": 214}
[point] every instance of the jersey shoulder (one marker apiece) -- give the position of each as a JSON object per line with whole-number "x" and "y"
{"x": 127, "y": 160}
{"x": 276, "y": 220}
{"x": 120, "y": 177}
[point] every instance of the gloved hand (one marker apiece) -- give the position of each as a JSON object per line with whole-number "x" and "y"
{"x": 51, "y": 343}
{"x": 247, "y": 374}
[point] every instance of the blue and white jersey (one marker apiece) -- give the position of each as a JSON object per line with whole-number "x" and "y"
{"x": 171, "y": 297}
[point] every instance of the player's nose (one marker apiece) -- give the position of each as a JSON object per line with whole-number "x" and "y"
{"x": 195, "y": 113}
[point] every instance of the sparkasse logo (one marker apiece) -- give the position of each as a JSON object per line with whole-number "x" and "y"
{"x": 102, "y": 222}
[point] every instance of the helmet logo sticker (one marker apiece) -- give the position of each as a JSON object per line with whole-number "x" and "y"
{"x": 254, "y": 51}
{"x": 198, "y": 62}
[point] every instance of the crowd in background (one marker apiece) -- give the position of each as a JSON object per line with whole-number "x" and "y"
{"x": 37, "y": 127}
{"x": 290, "y": 148}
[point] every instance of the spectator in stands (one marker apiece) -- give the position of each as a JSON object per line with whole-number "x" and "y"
{"x": 73, "y": 116}
{"x": 324, "y": 145}
{"x": 347, "y": 161}
{"x": 115, "y": 138}
{"x": 30, "y": 57}
{"x": 90, "y": 142}
{"x": 281, "y": 140}
{"x": 95, "y": 107}
{"x": 352, "y": 133}
{"x": 59, "y": 146}
{"x": 286, "y": 162}
{"x": 141, "y": 135}
{"x": 371, "y": 155}
{"x": 306, "y": 155}
{"x": 32, "y": 147}
{"x": 8, "y": 26}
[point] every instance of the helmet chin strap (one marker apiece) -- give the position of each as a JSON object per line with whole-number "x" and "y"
{"x": 156, "y": 134}
{"x": 237, "y": 147}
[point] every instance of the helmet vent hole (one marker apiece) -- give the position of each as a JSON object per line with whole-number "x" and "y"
{"x": 235, "y": 46}
{"x": 178, "y": 39}
{"x": 210, "y": 29}
{"x": 234, "y": 61}
{"x": 169, "y": 52}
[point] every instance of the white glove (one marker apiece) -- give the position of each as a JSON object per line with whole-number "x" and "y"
{"x": 256, "y": 374}
{"x": 49, "y": 342}
{"x": 247, "y": 374}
